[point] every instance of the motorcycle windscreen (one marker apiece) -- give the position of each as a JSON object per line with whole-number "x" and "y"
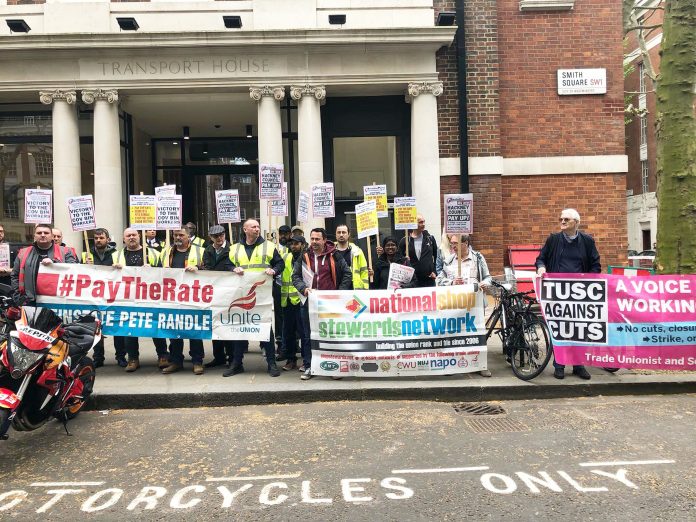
{"x": 37, "y": 327}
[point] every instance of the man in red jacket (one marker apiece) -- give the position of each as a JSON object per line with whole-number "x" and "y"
{"x": 330, "y": 272}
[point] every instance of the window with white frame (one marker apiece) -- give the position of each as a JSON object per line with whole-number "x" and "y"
{"x": 643, "y": 130}
{"x": 644, "y": 172}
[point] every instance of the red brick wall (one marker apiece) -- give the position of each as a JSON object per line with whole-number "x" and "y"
{"x": 482, "y": 82}
{"x": 535, "y": 120}
{"x": 531, "y": 206}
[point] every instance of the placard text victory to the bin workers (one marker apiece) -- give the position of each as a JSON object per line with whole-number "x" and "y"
{"x": 384, "y": 333}
{"x": 621, "y": 321}
{"x": 161, "y": 302}
{"x": 81, "y": 212}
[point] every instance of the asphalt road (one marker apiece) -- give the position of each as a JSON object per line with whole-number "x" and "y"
{"x": 625, "y": 458}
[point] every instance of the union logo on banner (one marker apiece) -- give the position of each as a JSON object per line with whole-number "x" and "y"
{"x": 248, "y": 301}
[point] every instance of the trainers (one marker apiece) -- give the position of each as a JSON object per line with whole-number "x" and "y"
{"x": 581, "y": 372}
{"x": 172, "y": 368}
{"x": 273, "y": 370}
{"x": 121, "y": 361}
{"x": 213, "y": 363}
{"x": 301, "y": 368}
{"x": 198, "y": 369}
{"x": 133, "y": 365}
{"x": 98, "y": 364}
{"x": 306, "y": 375}
{"x": 233, "y": 371}
{"x": 290, "y": 365}
{"x": 559, "y": 373}
{"x": 485, "y": 373}
{"x": 162, "y": 362}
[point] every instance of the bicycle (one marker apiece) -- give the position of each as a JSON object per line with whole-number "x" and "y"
{"x": 526, "y": 341}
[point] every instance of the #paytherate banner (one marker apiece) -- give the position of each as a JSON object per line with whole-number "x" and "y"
{"x": 161, "y": 302}
{"x": 617, "y": 321}
{"x": 383, "y": 333}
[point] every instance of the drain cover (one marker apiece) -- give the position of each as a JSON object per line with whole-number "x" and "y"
{"x": 495, "y": 425}
{"x": 478, "y": 408}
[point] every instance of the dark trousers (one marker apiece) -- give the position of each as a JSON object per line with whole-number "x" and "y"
{"x": 119, "y": 347}
{"x": 132, "y": 346}
{"x": 98, "y": 351}
{"x": 556, "y": 365}
{"x": 223, "y": 351}
{"x": 242, "y": 346}
{"x": 291, "y": 316}
{"x": 305, "y": 335}
{"x": 160, "y": 347}
{"x": 277, "y": 315}
{"x": 176, "y": 351}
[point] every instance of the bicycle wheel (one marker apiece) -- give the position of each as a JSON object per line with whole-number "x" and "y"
{"x": 532, "y": 350}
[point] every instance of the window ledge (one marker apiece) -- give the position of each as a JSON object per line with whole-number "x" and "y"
{"x": 546, "y": 5}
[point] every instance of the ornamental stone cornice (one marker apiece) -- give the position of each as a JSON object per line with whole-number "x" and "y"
{"x": 418, "y": 88}
{"x": 256, "y": 93}
{"x": 48, "y": 97}
{"x": 89, "y": 96}
{"x": 316, "y": 91}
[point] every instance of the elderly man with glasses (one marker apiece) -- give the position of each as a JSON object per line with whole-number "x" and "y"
{"x": 570, "y": 252}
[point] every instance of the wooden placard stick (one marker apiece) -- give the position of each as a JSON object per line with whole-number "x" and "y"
{"x": 459, "y": 257}
{"x": 378, "y": 245}
{"x": 88, "y": 254}
{"x": 229, "y": 228}
{"x": 369, "y": 256}
{"x": 144, "y": 243}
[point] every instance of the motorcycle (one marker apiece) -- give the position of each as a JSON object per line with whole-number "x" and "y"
{"x": 44, "y": 368}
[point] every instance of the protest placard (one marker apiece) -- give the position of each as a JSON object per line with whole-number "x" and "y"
{"x": 366, "y": 219}
{"x": 227, "y": 204}
{"x": 378, "y": 193}
{"x": 271, "y": 180}
{"x": 165, "y": 190}
{"x": 169, "y": 212}
{"x": 405, "y": 213}
{"x": 81, "y": 212}
{"x": 303, "y": 207}
{"x": 399, "y": 275}
{"x": 5, "y": 256}
{"x": 142, "y": 211}
{"x": 38, "y": 205}
{"x": 279, "y": 207}
{"x": 459, "y": 212}
{"x": 323, "y": 200}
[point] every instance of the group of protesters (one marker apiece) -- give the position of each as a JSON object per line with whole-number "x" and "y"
{"x": 339, "y": 265}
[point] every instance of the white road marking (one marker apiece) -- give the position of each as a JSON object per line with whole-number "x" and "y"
{"x": 261, "y": 477}
{"x": 438, "y": 470}
{"x": 625, "y": 463}
{"x": 60, "y": 484}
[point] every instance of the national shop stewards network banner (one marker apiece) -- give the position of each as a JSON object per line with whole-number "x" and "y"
{"x": 420, "y": 331}
{"x": 616, "y": 321}
{"x": 161, "y": 302}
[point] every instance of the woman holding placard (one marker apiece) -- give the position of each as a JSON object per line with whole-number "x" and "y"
{"x": 390, "y": 255}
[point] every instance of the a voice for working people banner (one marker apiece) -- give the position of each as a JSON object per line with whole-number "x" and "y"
{"x": 621, "y": 321}
{"x": 423, "y": 331}
{"x": 161, "y": 302}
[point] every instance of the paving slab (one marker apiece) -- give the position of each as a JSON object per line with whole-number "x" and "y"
{"x": 148, "y": 388}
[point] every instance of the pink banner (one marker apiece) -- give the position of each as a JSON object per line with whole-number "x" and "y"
{"x": 621, "y": 321}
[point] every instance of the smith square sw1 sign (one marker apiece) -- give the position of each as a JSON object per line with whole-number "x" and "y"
{"x": 582, "y": 81}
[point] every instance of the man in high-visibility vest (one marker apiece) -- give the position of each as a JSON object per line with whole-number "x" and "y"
{"x": 255, "y": 254}
{"x": 186, "y": 255}
{"x": 132, "y": 255}
{"x": 283, "y": 236}
{"x": 192, "y": 229}
{"x": 354, "y": 258}
{"x": 26, "y": 266}
{"x": 290, "y": 304}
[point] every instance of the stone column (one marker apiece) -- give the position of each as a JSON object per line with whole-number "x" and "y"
{"x": 309, "y": 145}
{"x": 67, "y": 176}
{"x": 270, "y": 132}
{"x": 425, "y": 152}
{"x": 109, "y": 197}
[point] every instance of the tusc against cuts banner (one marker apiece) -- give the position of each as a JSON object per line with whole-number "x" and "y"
{"x": 161, "y": 302}
{"x": 386, "y": 333}
{"x": 621, "y": 321}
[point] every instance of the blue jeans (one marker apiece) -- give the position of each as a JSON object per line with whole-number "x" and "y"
{"x": 305, "y": 335}
{"x": 176, "y": 351}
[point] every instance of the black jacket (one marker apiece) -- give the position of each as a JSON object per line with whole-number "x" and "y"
{"x": 426, "y": 264}
{"x": 382, "y": 271}
{"x": 217, "y": 262}
{"x": 550, "y": 255}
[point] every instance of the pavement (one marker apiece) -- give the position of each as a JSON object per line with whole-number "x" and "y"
{"x": 148, "y": 388}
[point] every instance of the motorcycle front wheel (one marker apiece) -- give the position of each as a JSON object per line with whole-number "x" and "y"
{"x": 4, "y": 423}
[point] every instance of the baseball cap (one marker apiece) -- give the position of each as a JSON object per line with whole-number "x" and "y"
{"x": 284, "y": 228}
{"x": 297, "y": 239}
{"x": 215, "y": 230}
